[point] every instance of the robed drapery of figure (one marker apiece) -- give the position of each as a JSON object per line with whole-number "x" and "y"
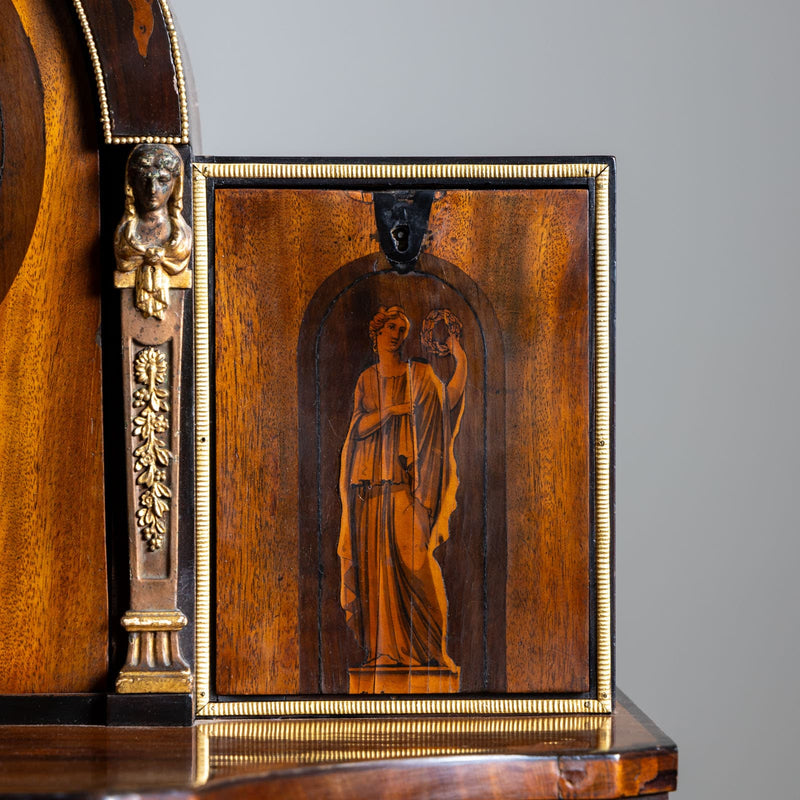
{"x": 398, "y": 490}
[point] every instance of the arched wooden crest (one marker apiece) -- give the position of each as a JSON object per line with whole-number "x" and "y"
{"x": 138, "y": 70}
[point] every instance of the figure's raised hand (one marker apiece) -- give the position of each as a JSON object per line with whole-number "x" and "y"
{"x": 454, "y": 346}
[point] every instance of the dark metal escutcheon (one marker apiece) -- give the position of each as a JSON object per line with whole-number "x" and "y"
{"x": 402, "y": 220}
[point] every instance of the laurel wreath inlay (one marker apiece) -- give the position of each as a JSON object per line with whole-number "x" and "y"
{"x": 152, "y": 456}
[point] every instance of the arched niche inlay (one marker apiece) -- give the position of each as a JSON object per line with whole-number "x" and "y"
{"x": 334, "y": 339}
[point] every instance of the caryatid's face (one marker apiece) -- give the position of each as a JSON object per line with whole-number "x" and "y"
{"x": 152, "y": 186}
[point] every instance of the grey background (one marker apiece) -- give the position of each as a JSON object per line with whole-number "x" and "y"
{"x": 699, "y": 102}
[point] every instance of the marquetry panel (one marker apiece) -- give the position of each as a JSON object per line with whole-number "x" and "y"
{"x": 292, "y": 301}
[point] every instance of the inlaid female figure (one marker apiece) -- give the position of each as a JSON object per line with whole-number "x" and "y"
{"x": 398, "y": 489}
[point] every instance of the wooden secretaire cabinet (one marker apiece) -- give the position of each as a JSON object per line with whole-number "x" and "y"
{"x": 322, "y": 445}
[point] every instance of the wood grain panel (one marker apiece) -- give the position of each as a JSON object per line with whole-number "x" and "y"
{"x": 264, "y": 281}
{"x": 53, "y": 607}
{"x": 519, "y": 257}
{"x": 529, "y": 252}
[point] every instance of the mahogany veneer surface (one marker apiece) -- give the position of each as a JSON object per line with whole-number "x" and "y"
{"x": 53, "y": 604}
{"x": 292, "y": 301}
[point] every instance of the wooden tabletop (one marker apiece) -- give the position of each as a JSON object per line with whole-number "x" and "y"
{"x": 441, "y": 758}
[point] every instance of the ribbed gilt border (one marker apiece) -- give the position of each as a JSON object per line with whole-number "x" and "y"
{"x": 412, "y": 705}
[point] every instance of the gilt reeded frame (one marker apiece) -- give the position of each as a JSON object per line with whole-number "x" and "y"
{"x": 504, "y": 174}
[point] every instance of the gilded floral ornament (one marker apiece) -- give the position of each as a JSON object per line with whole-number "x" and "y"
{"x": 151, "y": 457}
{"x": 153, "y": 242}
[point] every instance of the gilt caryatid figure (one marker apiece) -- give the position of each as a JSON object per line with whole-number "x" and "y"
{"x": 153, "y": 245}
{"x": 398, "y": 486}
{"x": 153, "y": 242}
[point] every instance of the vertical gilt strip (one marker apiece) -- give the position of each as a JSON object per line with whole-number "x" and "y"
{"x": 603, "y": 439}
{"x": 180, "y": 81}
{"x": 202, "y": 442}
